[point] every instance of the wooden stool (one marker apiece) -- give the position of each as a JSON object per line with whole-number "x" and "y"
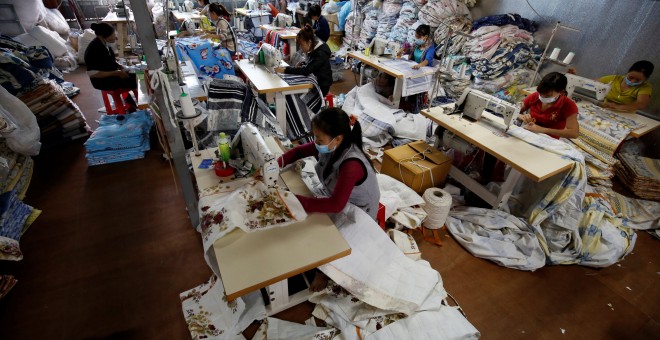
{"x": 433, "y": 235}
{"x": 121, "y": 106}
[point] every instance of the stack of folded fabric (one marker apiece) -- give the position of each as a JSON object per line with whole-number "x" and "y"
{"x": 640, "y": 174}
{"x": 15, "y": 216}
{"x": 456, "y": 42}
{"x": 59, "y": 118}
{"x": 351, "y": 31}
{"x": 119, "y": 138}
{"x": 369, "y": 25}
{"x": 407, "y": 17}
{"x": 7, "y": 282}
{"x": 15, "y": 171}
{"x": 388, "y": 17}
{"x": 434, "y": 12}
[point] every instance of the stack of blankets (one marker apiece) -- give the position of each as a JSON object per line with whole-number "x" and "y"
{"x": 15, "y": 216}
{"x": 456, "y": 42}
{"x": 407, "y": 17}
{"x": 60, "y": 119}
{"x": 369, "y": 26}
{"x": 388, "y": 18}
{"x": 119, "y": 138}
{"x": 640, "y": 174}
{"x": 7, "y": 282}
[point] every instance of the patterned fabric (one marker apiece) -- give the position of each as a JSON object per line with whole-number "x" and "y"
{"x": 119, "y": 138}
{"x": 603, "y": 129}
{"x": 641, "y": 175}
{"x": 211, "y": 61}
{"x": 300, "y": 108}
{"x": 22, "y": 67}
{"x": 10, "y": 249}
{"x": 637, "y": 213}
{"x": 505, "y": 19}
{"x": 209, "y": 315}
{"x": 251, "y": 207}
{"x": 507, "y": 57}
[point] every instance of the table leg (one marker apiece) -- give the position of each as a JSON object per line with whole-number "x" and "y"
{"x": 498, "y": 201}
{"x": 121, "y": 39}
{"x": 280, "y": 110}
{"x": 507, "y": 188}
{"x": 398, "y": 90}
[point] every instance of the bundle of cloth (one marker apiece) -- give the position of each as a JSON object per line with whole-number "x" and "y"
{"x": 640, "y": 214}
{"x": 273, "y": 37}
{"x": 519, "y": 77}
{"x": 487, "y": 40}
{"x": 18, "y": 125}
{"x": 15, "y": 216}
{"x": 509, "y": 55}
{"x": 558, "y": 221}
{"x": 369, "y": 26}
{"x": 641, "y": 175}
{"x": 247, "y": 48}
{"x": 15, "y": 171}
{"x": 388, "y": 18}
{"x": 119, "y": 138}
{"x": 456, "y": 42}
{"x": 23, "y": 67}
{"x": 601, "y": 134}
{"x": 435, "y": 12}
{"x": 343, "y": 14}
{"x": 351, "y": 32}
{"x": 60, "y": 119}
{"x": 209, "y": 60}
{"x": 407, "y": 17}
{"x": 506, "y": 19}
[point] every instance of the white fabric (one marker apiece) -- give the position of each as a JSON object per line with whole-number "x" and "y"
{"x": 55, "y": 22}
{"x": 445, "y": 323}
{"x": 30, "y": 12}
{"x": 394, "y": 194}
{"x": 27, "y": 40}
{"x": 410, "y": 126}
{"x": 53, "y": 42}
{"x": 24, "y": 138}
{"x": 286, "y": 330}
{"x": 406, "y": 244}
{"x": 83, "y": 41}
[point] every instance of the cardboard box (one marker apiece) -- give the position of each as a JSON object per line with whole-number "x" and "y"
{"x": 418, "y": 165}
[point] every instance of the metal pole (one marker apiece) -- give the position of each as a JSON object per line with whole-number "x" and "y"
{"x": 147, "y": 35}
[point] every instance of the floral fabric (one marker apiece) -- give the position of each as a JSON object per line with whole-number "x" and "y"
{"x": 602, "y": 128}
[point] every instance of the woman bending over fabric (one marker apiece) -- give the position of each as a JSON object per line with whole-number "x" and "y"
{"x": 104, "y": 71}
{"x": 342, "y": 167}
{"x": 550, "y": 110}
{"x": 224, "y": 33}
{"x": 424, "y": 48}
{"x": 318, "y": 59}
{"x": 632, "y": 91}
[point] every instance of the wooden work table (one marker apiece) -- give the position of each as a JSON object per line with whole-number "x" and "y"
{"x": 266, "y": 258}
{"x": 524, "y": 158}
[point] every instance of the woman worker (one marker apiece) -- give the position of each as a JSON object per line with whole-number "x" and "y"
{"x": 424, "y": 47}
{"x": 205, "y": 7}
{"x": 321, "y": 26}
{"x": 104, "y": 71}
{"x": 632, "y": 91}
{"x": 224, "y": 33}
{"x": 343, "y": 168}
{"x": 318, "y": 59}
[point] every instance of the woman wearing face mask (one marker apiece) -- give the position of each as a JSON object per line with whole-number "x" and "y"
{"x": 424, "y": 47}
{"x": 103, "y": 69}
{"x": 550, "y": 110}
{"x": 632, "y": 91}
{"x": 318, "y": 59}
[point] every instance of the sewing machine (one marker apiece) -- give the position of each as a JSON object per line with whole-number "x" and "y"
{"x": 472, "y": 104}
{"x": 380, "y": 46}
{"x": 283, "y": 20}
{"x": 269, "y": 56}
{"x": 257, "y": 153}
{"x": 589, "y": 89}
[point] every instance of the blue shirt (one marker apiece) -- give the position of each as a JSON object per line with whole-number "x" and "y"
{"x": 428, "y": 56}
{"x": 322, "y": 28}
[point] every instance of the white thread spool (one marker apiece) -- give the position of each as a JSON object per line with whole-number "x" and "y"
{"x": 569, "y": 58}
{"x": 463, "y": 70}
{"x": 187, "y": 106}
{"x": 450, "y": 65}
{"x": 555, "y": 53}
{"x": 438, "y": 203}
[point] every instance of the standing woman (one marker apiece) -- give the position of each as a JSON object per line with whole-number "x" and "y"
{"x": 424, "y": 47}
{"x": 318, "y": 59}
{"x": 632, "y": 91}
{"x": 224, "y": 33}
{"x": 104, "y": 71}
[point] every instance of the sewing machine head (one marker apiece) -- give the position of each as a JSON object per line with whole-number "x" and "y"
{"x": 283, "y": 20}
{"x": 380, "y": 46}
{"x": 257, "y": 153}
{"x": 269, "y": 56}
{"x": 586, "y": 88}
{"x": 473, "y": 103}
{"x": 252, "y": 5}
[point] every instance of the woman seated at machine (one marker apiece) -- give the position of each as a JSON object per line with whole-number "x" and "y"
{"x": 104, "y": 71}
{"x": 321, "y": 26}
{"x": 224, "y": 33}
{"x": 632, "y": 91}
{"x": 318, "y": 59}
{"x": 423, "y": 49}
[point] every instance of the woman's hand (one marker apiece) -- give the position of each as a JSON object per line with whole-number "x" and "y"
{"x": 534, "y": 128}
{"x": 280, "y": 69}
{"x": 526, "y": 118}
{"x": 416, "y": 66}
{"x": 122, "y": 74}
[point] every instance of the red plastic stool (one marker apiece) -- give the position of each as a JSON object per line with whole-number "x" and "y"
{"x": 118, "y": 96}
{"x": 380, "y": 216}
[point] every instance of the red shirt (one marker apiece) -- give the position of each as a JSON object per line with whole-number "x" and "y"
{"x": 555, "y": 116}
{"x": 351, "y": 173}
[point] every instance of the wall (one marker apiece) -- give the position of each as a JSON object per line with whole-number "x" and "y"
{"x": 613, "y": 33}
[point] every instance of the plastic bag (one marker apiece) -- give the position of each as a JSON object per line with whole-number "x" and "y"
{"x": 24, "y": 138}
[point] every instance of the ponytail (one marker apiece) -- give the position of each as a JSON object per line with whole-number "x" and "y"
{"x": 306, "y": 34}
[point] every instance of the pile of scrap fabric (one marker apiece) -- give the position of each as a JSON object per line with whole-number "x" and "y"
{"x": 639, "y": 174}
{"x": 563, "y": 221}
{"x": 119, "y": 138}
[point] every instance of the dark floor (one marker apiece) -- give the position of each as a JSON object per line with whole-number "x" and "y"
{"x": 113, "y": 249}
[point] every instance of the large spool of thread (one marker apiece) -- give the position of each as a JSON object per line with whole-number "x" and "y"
{"x": 438, "y": 203}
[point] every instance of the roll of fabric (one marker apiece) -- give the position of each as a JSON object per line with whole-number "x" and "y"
{"x": 438, "y": 203}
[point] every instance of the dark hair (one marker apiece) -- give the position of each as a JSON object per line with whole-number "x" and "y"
{"x": 643, "y": 66}
{"x": 306, "y": 34}
{"x": 219, "y": 9}
{"x": 205, "y": 2}
{"x": 314, "y": 11}
{"x": 553, "y": 81}
{"x": 335, "y": 122}
{"x": 102, "y": 29}
{"x": 423, "y": 30}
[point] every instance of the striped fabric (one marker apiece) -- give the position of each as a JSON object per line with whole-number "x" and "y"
{"x": 300, "y": 108}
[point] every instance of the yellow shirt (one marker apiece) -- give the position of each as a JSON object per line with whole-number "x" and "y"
{"x": 624, "y": 97}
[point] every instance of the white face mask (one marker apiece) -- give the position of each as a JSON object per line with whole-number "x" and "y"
{"x": 548, "y": 100}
